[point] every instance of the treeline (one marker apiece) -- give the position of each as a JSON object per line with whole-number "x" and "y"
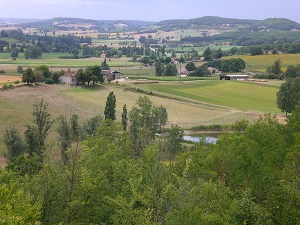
{"x": 114, "y": 176}
{"x": 61, "y": 43}
{"x": 287, "y": 48}
{"x": 42, "y": 73}
{"x": 247, "y": 38}
{"x": 225, "y": 66}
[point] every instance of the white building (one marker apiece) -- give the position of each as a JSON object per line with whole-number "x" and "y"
{"x": 69, "y": 78}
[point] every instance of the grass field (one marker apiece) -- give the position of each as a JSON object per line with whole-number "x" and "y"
{"x": 239, "y": 95}
{"x": 53, "y": 62}
{"x": 261, "y": 62}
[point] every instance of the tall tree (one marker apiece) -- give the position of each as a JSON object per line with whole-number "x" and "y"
{"x": 36, "y": 134}
{"x": 159, "y": 69}
{"x": 144, "y": 123}
{"x": 288, "y": 95}
{"x": 124, "y": 117}
{"x": 14, "y": 143}
{"x": 275, "y": 68}
{"x": 110, "y": 107}
{"x": 14, "y": 53}
{"x": 170, "y": 70}
{"x": 207, "y": 54}
{"x": 104, "y": 65}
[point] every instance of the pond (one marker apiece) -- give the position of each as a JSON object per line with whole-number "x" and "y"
{"x": 209, "y": 138}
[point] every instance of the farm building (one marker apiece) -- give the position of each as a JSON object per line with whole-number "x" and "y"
{"x": 111, "y": 74}
{"x": 69, "y": 78}
{"x": 234, "y": 77}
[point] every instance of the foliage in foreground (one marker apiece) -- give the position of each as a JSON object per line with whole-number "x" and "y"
{"x": 249, "y": 177}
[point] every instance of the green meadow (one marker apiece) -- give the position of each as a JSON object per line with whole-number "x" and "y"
{"x": 261, "y": 62}
{"x": 235, "y": 94}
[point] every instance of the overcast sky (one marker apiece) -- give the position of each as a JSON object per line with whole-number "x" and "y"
{"x": 150, "y": 10}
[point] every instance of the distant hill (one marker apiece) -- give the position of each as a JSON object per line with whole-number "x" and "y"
{"x": 62, "y": 23}
{"x": 275, "y": 23}
{"x": 204, "y": 22}
{"x": 12, "y": 21}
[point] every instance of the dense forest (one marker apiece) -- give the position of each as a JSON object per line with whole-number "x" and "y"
{"x": 106, "y": 172}
{"x": 246, "y": 38}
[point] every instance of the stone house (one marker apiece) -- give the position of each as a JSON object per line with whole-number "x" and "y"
{"x": 69, "y": 78}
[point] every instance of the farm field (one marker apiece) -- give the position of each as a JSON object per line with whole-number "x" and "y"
{"x": 9, "y": 79}
{"x": 53, "y": 62}
{"x": 16, "y": 106}
{"x": 236, "y": 94}
{"x": 261, "y": 62}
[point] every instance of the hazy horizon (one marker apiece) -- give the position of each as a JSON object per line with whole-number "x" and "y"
{"x": 149, "y": 11}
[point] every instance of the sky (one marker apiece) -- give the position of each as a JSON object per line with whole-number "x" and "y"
{"x": 150, "y": 10}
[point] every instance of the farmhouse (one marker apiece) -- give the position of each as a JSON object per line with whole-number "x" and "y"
{"x": 234, "y": 77}
{"x": 111, "y": 74}
{"x": 69, "y": 78}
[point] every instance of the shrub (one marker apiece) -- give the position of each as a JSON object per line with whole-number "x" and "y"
{"x": 49, "y": 81}
{"x": 7, "y": 86}
{"x": 2, "y": 71}
{"x": 16, "y": 82}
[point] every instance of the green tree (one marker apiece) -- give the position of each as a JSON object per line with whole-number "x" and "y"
{"x": 104, "y": 65}
{"x": 14, "y": 143}
{"x": 172, "y": 142}
{"x": 159, "y": 69}
{"x": 93, "y": 73}
{"x": 20, "y": 69}
{"x": 14, "y": 53}
{"x": 43, "y": 70}
{"x": 17, "y": 205}
{"x": 275, "y": 68}
{"x": 69, "y": 132}
{"x": 90, "y": 125}
{"x": 218, "y": 54}
{"x": 170, "y": 70}
{"x": 292, "y": 71}
{"x": 207, "y": 54}
{"x": 36, "y": 134}
{"x": 28, "y": 76}
{"x": 110, "y": 107}
{"x": 81, "y": 76}
{"x": 256, "y": 50}
{"x": 124, "y": 117}
{"x": 236, "y": 65}
{"x": 288, "y": 95}
{"x": 55, "y": 77}
{"x": 145, "y": 121}
{"x": 33, "y": 52}
{"x": 190, "y": 66}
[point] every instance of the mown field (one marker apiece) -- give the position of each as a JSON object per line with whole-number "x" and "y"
{"x": 244, "y": 96}
{"x": 261, "y": 62}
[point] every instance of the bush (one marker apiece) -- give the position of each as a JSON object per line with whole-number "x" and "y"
{"x": 7, "y": 86}
{"x": 2, "y": 71}
{"x": 49, "y": 81}
{"x": 16, "y": 82}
